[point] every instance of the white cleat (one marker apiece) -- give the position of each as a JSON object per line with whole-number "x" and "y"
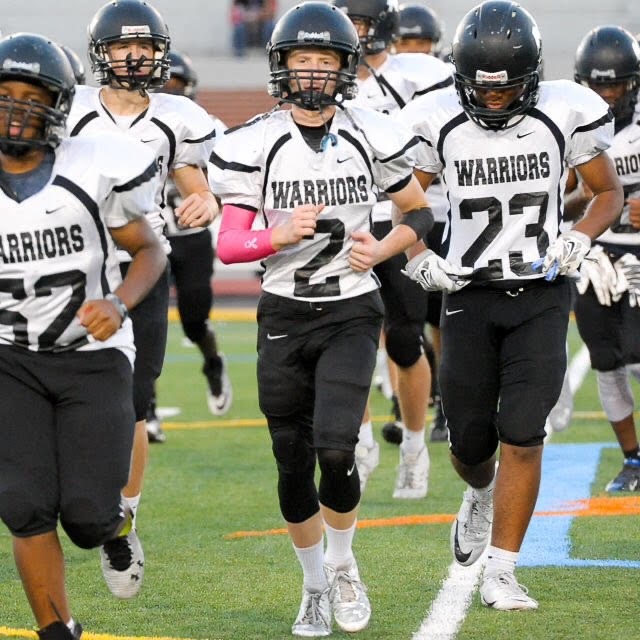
{"x": 472, "y": 527}
{"x": 123, "y": 565}
{"x": 503, "y": 592}
{"x": 367, "y": 459}
{"x": 219, "y": 390}
{"x": 412, "y": 479}
{"x": 348, "y": 594}
{"x": 314, "y": 617}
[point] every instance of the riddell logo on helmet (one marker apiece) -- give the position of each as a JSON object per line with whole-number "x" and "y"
{"x": 130, "y": 30}
{"x": 495, "y": 76}
{"x": 34, "y": 67}
{"x": 323, "y": 36}
{"x": 597, "y": 74}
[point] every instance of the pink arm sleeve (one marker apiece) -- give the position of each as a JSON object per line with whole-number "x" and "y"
{"x": 237, "y": 242}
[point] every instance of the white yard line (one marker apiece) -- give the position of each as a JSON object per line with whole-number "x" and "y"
{"x": 449, "y": 609}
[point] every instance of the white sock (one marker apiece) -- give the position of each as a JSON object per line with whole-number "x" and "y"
{"x": 365, "y": 435}
{"x": 339, "y": 553}
{"x": 132, "y": 503}
{"x": 71, "y": 624}
{"x": 500, "y": 561}
{"x": 312, "y": 562}
{"x": 412, "y": 441}
{"x": 486, "y": 494}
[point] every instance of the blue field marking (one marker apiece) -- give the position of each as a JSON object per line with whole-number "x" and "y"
{"x": 568, "y": 471}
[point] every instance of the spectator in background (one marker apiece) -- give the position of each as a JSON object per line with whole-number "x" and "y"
{"x": 252, "y": 23}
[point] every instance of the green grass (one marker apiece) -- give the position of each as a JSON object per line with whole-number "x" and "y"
{"x": 204, "y": 484}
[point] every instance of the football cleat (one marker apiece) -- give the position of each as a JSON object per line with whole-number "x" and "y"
{"x": 412, "y": 477}
{"x": 155, "y": 432}
{"x": 123, "y": 565}
{"x": 393, "y": 432}
{"x": 348, "y": 595}
{"x": 471, "y": 529}
{"x": 367, "y": 459}
{"x": 629, "y": 477}
{"x": 219, "y": 392}
{"x": 503, "y": 592}
{"x": 59, "y": 631}
{"x": 314, "y": 617}
{"x": 439, "y": 431}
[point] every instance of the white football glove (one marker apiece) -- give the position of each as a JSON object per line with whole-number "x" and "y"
{"x": 564, "y": 255}
{"x": 628, "y": 270}
{"x": 434, "y": 273}
{"x": 596, "y": 268}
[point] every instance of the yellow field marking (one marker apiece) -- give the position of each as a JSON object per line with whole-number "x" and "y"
{"x": 579, "y": 508}
{"x": 228, "y": 314}
{"x": 26, "y": 633}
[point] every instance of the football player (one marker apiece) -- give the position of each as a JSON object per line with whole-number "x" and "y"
{"x": 191, "y": 260}
{"x": 504, "y": 143}
{"x": 76, "y": 64}
{"x": 387, "y": 83}
{"x": 313, "y": 173}
{"x": 128, "y": 50}
{"x": 65, "y": 335}
{"x": 607, "y": 312}
{"x": 419, "y": 30}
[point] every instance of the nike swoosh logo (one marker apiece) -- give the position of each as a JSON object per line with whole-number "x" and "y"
{"x": 270, "y": 337}
{"x": 150, "y": 140}
{"x": 634, "y": 140}
{"x": 352, "y": 469}
{"x": 460, "y": 556}
{"x": 344, "y": 159}
{"x": 523, "y": 135}
{"x": 53, "y": 210}
{"x": 450, "y": 313}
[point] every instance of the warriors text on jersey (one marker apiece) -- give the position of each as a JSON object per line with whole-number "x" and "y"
{"x": 268, "y": 167}
{"x": 506, "y": 187}
{"x": 55, "y": 248}
{"x": 176, "y": 129}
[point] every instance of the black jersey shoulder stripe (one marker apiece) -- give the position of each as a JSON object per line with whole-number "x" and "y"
{"x": 434, "y": 87}
{"x": 145, "y": 176}
{"x": 412, "y": 143}
{"x": 279, "y": 143}
{"x": 214, "y": 158}
{"x": 398, "y": 186}
{"x": 91, "y": 206}
{"x": 166, "y": 129}
{"x": 248, "y": 123}
{"x": 358, "y": 145}
{"x": 211, "y": 134}
{"x": 83, "y": 122}
{"x": 608, "y": 117}
{"x": 246, "y": 207}
{"x": 140, "y": 116}
{"x": 384, "y": 83}
{"x": 456, "y": 121}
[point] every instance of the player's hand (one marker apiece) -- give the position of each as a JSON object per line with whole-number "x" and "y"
{"x": 366, "y": 251}
{"x": 197, "y": 210}
{"x": 101, "y": 318}
{"x": 628, "y": 271}
{"x": 301, "y": 224}
{"x": 564, "y": 256}
{"x": 634, "y": 211}
{"x": 596, "y": 268}
{"x": 434, "y": 273}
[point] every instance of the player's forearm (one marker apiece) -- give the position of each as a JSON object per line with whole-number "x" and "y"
{"x": 602, "y": 212}
{"x": 400, "y": 238}
{"x": 237, "y": 242}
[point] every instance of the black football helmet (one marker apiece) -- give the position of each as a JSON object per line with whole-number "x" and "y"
{"x": 76, "y": 64}
{"x": 610, "y": 55}
{"x": 313, "y": 25}
{"x": 32, "y": 58}
{"x": 497, "y": 45}
{"x": 121, "y": 20}
{"x": 380, "y": 15}
{"x": 418, "y": 21}
{"x": 182, "y": 67}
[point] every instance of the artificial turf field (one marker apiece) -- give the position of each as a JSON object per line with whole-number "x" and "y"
{"x": 215, "y": 477}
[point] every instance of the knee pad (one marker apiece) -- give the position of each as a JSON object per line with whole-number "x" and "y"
{"x": 195, "y": 331}
{"x": 339, "y": 480}
{"x": 615, "y": 394}
{"x": 404, "y": 344}
{"x": 296, "y": 461}
{"x": 86, "y": 525}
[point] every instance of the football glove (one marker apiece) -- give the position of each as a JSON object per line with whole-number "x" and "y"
{"x": 628, "y": 270}
{"x": 596, "y": 268}
{"x": 434, "y": 273}
{"x": 564, "y": 255}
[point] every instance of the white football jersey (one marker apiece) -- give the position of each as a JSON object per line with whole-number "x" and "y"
{"x": 625, "y": 154}
{"x": 174, "y": 199}
{"x": 56, "y": 251}
{"x": 267, "y": 165}
{"x": 176, "y": 129}
{"x": 505, "y": 187}
{"x": 401, "y": 78}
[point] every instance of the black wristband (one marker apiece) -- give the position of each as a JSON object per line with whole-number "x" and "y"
{"x": 420, "y": 220}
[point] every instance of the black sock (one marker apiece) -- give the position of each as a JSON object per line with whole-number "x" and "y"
{"x": 633, "y": 453}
